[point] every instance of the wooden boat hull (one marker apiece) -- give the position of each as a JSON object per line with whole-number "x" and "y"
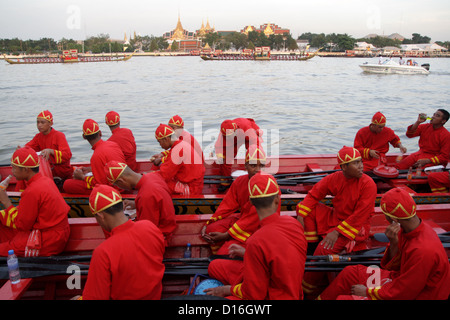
{"x": 273, "y": 57}
{"x": 80, "y": 59}
{"x": 310, "y": 169}
{"x": 47, "y": 278}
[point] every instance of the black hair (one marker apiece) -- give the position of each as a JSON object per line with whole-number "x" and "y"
{"x": 261, "y": 203}
{"x": 446, "y": 114}
{"x": 91, "y": 136}
{"x": 118, "y": 207}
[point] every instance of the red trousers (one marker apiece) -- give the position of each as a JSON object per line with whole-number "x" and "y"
{"x": 226, "y": 271}
{"x": 410, "y": 160}
{"x": 53, "y": 240}
{"x": 439, "y": 181}
{"x": 318, "y": 223}
{"x": 340, "y": 288}
{"x": 75, "y": 186}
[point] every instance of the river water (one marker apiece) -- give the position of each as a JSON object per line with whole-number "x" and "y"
{"x": 306, "y": 107}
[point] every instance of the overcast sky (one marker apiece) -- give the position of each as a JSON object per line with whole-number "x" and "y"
{"x": 34, "y": 19}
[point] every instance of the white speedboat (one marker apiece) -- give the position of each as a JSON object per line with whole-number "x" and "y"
{"x": 392, "y": 67}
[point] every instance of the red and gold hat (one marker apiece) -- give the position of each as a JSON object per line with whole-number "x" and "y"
{"x": 47, "y": 115}
{"x": 25, "y": 157}
{"x": 255, "y": 153}
{"x": 163, "y": 131}
{"x": 112, "y": 118}
{"x": 348, "y": 154}
{"x": 262, "y": 185}
{"x": 102, "y": 197}
{"x": 176, "y": 121}
{"x": 379, "y": 119}
{"x": 113, "y": 170}
{"x": 228, "y": 127}
{"x": 90, "y": 127}
{"x": 398, "y": 204}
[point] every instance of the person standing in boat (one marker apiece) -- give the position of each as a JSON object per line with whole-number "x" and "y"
{"x": 434, "y": 142}
{"x": 53, "y": 146}
{"x": 373, "y": 141}
{"x": 177, "y": 124}
{"x": 153, "y": 201}
{"x": 39, "y": 225}
{"x": 129, "y": 264}
{"x": 414, "y": 266}
{"x": 275, "y": 255}
{"x": 233, "y": 134}
{"x": 104, "y": 151}
{"x": 181, "y": 175}
{"x": 123, "y": 137}
{"x": 345, "y": 227}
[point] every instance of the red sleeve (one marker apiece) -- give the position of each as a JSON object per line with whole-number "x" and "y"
{"x": 24, "y": 216}
{"x": 98, "y": 284}
{"x": 410, "y": 282}
{"x": 317, "y": 193}
{"x": 417, "y": 133}
{"x": 34, "y": 143}
{"x": 63, "y": 153}
{"x": 256, "y": 277}
{"x": 359, "y": 144}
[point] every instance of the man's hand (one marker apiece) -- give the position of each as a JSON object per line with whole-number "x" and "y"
{"x": 221, "y": 291}
{"x": 374, "y": 154}
{"x": 330, "y": 239}
{"x": 359, "y": 290}
{"x": 236, "y": 250}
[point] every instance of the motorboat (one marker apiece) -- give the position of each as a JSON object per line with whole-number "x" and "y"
{"x": 392, "y": 67}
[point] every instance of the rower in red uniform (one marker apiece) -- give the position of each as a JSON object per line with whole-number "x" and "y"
{"x": 177, "y": 124}
{"x": 275, "y": 255}
{"x": 129, "y": 264}
{"x": 123, "y": 137}
{"x": 53, "y": 147}
{"x": 182, "y": 176}
{"x": 233, "y": 134}
{"x": 346, "y": 226}
{"x": 434, "y": 142}
{"x": 414, "y": 266}
{"x": 104, "y": 151}
{"x": 439, "y": 181}
{"x": 153, "y": 201}
{"x": 38, "y": 226}
{"x": 235, "y": 219}
{"x": 373, "y": 141}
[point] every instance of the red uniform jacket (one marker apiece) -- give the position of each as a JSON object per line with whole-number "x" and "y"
{"x": 197, "y": 156}
{"x": 104, "y": 151}
{"x": 237, "y": 200}
{"x": 177, "y": 167}
{"x": 434, "y": 144}
{"x": 55, "y": 140}
{"x": 274, "y": 261}
{"x": 420, "y": 271}
{"x": 128, "y": 265}
{"x": 125, "y": 139}
{"x": 248, "y": 133}
{"x": 154, "y": 203}
{"x": 42, "y": 208}
{"x": 366, "y": 140}
{"x": 353, "y": 203}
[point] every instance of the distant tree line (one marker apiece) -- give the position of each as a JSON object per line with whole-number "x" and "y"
{"x": 103, "y": 43}
{"x": 342, "y": 42}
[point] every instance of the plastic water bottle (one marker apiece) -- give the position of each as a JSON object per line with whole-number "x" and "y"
{"x": 337, "y": 258}
{"x": 13, "y": 267}
{"x": 187, "y": 252}
{"x": 5, "y": 183}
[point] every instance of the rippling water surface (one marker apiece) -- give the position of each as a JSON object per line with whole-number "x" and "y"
{"x": 307, "y": 107}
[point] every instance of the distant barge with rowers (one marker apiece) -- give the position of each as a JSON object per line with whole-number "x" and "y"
{"x": 259, "y": 54}
{"x": 68, "y": 56}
